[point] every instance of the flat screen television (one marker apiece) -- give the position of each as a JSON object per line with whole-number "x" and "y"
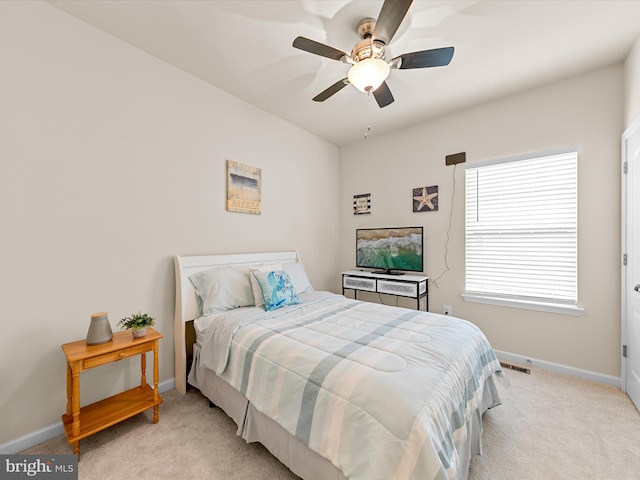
{"x": 390, "y": 250}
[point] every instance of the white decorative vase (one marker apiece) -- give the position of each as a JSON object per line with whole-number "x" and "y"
{"x": 139, "y": 332}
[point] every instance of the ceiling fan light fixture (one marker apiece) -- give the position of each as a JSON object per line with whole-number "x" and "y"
{"x": 368, "y": 74}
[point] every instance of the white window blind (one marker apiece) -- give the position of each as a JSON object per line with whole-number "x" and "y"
{"x": 521, "y": 229}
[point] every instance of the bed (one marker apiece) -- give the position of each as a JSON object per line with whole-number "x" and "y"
{"x": 333, "y": 387}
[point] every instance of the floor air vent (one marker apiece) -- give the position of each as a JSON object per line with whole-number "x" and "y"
{"x": 517, "y": 368}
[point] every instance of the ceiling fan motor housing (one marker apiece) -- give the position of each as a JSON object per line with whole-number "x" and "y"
{"x": 367, "y": 47}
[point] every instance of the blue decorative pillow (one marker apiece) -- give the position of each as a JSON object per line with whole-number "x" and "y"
{"x": 277, "y": 289}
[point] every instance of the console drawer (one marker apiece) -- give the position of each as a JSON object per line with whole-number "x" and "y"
{"x": 398, "y": 288}
{"x": 359, "y": 283}
{"x": 114, "y": 356}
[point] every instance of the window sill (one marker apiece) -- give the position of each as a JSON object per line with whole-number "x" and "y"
{"x": 528, "y": 305}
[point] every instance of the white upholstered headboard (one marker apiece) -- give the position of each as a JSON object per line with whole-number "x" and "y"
{"x": 186, "y": 301}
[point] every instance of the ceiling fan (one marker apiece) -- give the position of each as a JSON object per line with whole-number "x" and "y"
{"x": 369, "y": 69}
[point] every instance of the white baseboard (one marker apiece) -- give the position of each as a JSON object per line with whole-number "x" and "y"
{"x": 32, "y": 439}
{"x": 556, "y": 367}
{"x": 47, "y": 433}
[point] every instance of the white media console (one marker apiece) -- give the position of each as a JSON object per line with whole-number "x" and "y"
{"x": 405, "y": 285}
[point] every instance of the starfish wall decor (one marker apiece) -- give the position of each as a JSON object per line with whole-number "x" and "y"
{"x": 425, "y": 199}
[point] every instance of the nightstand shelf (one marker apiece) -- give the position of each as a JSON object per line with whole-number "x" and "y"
{"x": 108, "y": 412}
{"x": 82, "y": 422}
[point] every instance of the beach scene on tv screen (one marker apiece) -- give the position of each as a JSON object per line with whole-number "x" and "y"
{"x": 396, "y": 249}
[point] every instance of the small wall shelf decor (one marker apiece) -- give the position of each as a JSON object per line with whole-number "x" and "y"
{"x": 425, "y": 199}
{"x": 362, "y": 204}
{"x": 244, "y": 186}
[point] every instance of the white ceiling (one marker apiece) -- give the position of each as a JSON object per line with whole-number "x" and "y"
{"x": 244, "y": 47}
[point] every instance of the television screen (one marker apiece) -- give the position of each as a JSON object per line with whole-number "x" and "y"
{"x": 389, "y": 249}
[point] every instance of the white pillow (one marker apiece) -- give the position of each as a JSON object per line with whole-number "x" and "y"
{"x": 223, "y": 288}
{"x": 255, "y": 286}
{"x": 298, "y": 276}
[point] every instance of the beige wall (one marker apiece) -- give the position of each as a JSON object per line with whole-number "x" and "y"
{"x": 585, "y": 111}
{"x": 111, "y": 162}
{"x": 632, "y": 85}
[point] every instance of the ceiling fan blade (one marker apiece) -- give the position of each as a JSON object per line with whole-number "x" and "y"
{"x": 332, "y": 90}
{"x": 438, "y": 57}
{"x": 317, "y": 48}
{"x": 390, "y": 18}
{"x": 383, "y": 95}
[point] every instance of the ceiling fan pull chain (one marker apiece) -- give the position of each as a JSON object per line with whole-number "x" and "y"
{"x": 370, "y": 112}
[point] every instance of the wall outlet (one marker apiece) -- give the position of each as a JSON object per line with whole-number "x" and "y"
{"x": 447, "y": 310}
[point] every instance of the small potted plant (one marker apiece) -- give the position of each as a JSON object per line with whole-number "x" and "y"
{"x": 137, "y": 323}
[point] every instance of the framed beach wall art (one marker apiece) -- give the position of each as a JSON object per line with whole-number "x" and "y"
{"x": 425, "y": 199}
{"x": 244, "y": 184}
{"x": 362, "y": 204}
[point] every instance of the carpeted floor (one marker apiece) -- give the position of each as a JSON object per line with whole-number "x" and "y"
{"x": 549, "y": 427}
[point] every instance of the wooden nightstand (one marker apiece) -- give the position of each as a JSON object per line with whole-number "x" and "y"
{"x": 82, "y": 422}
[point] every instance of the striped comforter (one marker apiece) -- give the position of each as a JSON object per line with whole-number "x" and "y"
{"x": 382, "y": 392}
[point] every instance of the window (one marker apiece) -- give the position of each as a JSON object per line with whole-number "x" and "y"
{"x": 521, "y": 232}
